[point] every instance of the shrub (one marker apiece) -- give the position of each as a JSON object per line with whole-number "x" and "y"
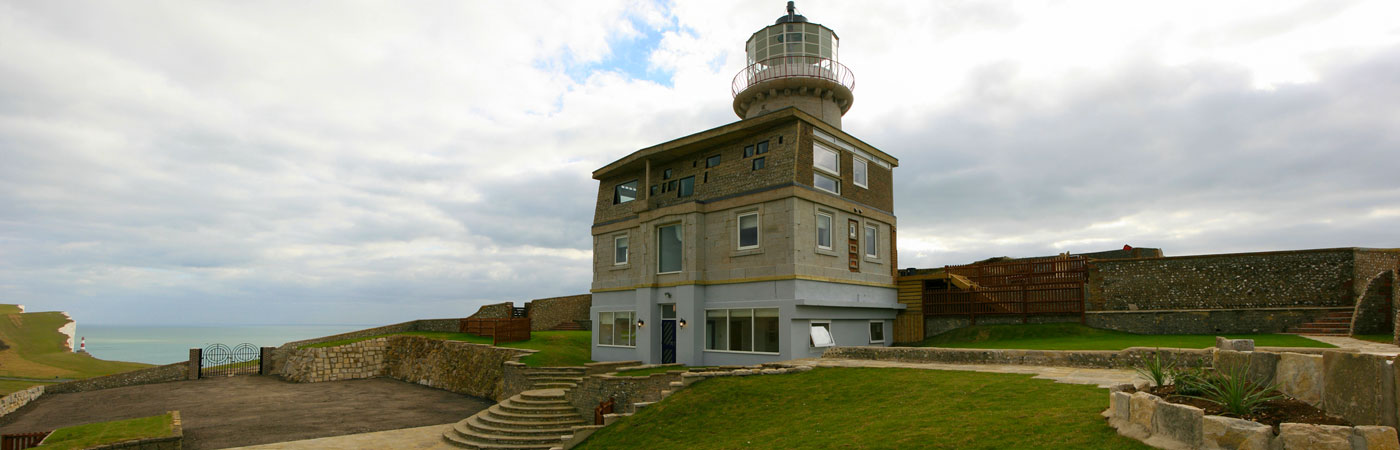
{"x": 1156, "y": 370}
{"x": 1235, "y": 392}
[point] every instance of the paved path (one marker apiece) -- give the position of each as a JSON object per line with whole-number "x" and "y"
{"x": 421, "y": 438}
{"x": 1072, "y": 375}
{"x": 1374, "y": 348}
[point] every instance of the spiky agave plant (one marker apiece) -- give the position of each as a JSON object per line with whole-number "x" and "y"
{"x": 1156, "y": 369}
{"x": 1235, "y": 392}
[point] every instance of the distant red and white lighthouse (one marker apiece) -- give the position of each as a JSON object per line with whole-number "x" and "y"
{"x": 82, "y": 345}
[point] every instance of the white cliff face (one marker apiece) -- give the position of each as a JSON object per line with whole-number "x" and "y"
{"x": 70, "y": 329}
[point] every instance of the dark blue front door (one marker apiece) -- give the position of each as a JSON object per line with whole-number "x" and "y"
{"x": 668, "y": 341}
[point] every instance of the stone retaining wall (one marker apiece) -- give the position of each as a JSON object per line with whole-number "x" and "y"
{"x": 149, "y": 375}
{"x": 1128, "y": 358}
{"x": 16, "y": 400}
{"x": 1375, "y": 309}
{"x": 496, "y": 311}
{"x": 1161, "y": 424}
{"x": 626, "y": 391}
{"x": 1204, "y": 321}
{"x": 461, "y": 367}
{"x": 353, "y": 361}
{"x": 279, "y": 356}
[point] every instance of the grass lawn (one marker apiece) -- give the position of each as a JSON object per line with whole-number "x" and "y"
{"x": 871, "y": 408}
{"x": 556, "y": 348}
{"x": 1073, "y": 336}
{"x": 1382, "y": 338}
{"x": 11, "y": 386}
{"x": 94, "y": 434}
{"x": 36, "y": 350}
{"x": 651, "y": 370}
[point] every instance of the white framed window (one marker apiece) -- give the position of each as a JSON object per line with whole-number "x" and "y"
{"x": 872, "y": 242}
{"x": 823, "y": 230}
{"x": 860, "y": 173}
{"x": 748, "y": 230}
{"x": 821, "y": 334}
{"x": 826, "y": 159}
{"x": 620, "y": 247}
{"x": 669, "y": 248}
{"x": 826, "y": 183}
{"x": 617, "y": 329}
{"x": 877, "y": 332}
{"x": 742, "y": 330}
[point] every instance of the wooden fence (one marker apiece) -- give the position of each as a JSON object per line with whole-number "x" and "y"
{"x": 510, "y": 329}
{"x": 1024, "y": 300}
{"x": 1046, "y": 286}
{"x": 21, "y": 441}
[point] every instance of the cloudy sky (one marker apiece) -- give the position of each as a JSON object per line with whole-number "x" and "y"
{"x": 373, "y": 162}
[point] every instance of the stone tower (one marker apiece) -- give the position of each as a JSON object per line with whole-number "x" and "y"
{"x": 794, "y": 63}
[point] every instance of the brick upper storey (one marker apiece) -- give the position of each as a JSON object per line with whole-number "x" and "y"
{"x": 720, "y": 163}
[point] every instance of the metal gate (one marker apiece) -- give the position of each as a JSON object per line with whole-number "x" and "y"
{"x": 218, "y": 360}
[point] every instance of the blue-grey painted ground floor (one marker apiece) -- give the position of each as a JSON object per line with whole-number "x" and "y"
{"x": 743, "y": 323}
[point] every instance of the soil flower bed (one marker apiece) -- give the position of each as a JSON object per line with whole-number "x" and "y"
{"x": 1273, "y": 412}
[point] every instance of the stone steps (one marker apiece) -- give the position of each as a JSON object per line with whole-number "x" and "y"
{"x": 535, "y": 419}
{"x": 567, "y": 326}
{"x": 1336, "y": 323}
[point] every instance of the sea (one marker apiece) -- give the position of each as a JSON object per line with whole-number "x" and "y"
{"x": 169, "y": 344}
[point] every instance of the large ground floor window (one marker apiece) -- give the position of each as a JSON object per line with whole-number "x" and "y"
{"x": 742, "y": 330}
{"x": 617, "y": 329}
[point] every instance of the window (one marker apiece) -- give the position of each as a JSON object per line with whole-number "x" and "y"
{"x": 742, "y": 330}
{"x": 669, "y": 246}
{"x": 687, "y": 186}
{"x": 762, "y": 147}
{"x": 653, "y": 190}
{"x": 758, "y": 163}
{"x": 748, "y": 231}
{"x": 617, "y": 329}
{"x": 666, "y": 174}
{"x": 620, "y": 250}
{"x": 712, "y": 161}
{"x": 748, "y": 151}
{"x": 824, "y": 231}
{"x": 625, "y": 192}
{"x": 872, "y": 242}
{"x": 860, "y": 172}
{"x": 826, "y": 159}
{"x": 877, "y": 332}
{"x": 821, "y": 334}
{"x": 671, "y": 185}
{"x": 826, "y": 183}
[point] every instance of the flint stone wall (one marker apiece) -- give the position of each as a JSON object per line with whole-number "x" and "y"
{"x": 546, "y": 313}
{"x": 1128, "y": 358}
{"x": 461, "y": 367}
{"x": 496, "y": 311}
{"x": 1206, "y": 321}
{"x": 1375, "y": 311}
{"x": 149, "y": 375}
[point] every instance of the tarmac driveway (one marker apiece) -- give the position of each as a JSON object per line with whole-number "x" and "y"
{"x": 248, "y": 410}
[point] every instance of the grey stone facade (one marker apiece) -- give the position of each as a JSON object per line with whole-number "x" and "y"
{"x": 847, "y": 281}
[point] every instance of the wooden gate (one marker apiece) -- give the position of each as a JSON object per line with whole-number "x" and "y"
{"x": 512, "y": 329}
